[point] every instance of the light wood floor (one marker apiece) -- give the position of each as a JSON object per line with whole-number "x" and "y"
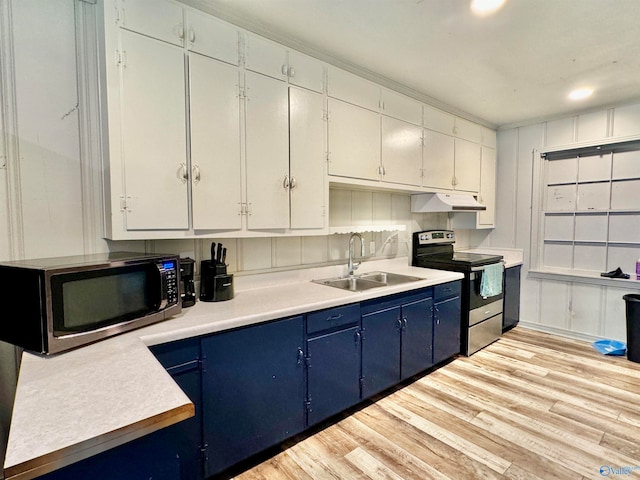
{"x": 529, "y": 406}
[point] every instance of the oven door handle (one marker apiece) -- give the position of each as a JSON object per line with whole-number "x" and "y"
{"x": 480, "y": 269}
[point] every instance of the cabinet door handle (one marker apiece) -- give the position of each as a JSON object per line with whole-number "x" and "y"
{"x": 334, "y": 317}
{"x": 293, "y": 183}
{"x": 183, "y": 173}
{"x": 285, "y": 182}
{"x": 404, "y": 323}
{"x": 192, "y": 35}
{"x": 300, "y": 356}
{"x": 291, "y": 72}
{"x": 358, "y": 337}
{"x": 195, "y": 172}
{"x": 284, "y": 70}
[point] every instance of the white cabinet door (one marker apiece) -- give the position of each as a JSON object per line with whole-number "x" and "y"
{"x": 487, "y": 195}
{"x": 401, "y": 152}
{"x": 155, "y": 18}
{"x": 215, "y": 144}
{"x": 307, "y": 162}
{"x": 468, "y": 130}
{"x": 437, "y": 120}
{"x": 265, "y": 57}
{"x": 467, "y": 166}
{"x": 267, "y": 152}
{"x": 401, "y": 107}
{"x": 437, "y": 160}
{"x": 353, "y": 89}
{"x": 208, "y": 36}
{"x": 153, "y": 134}
{"x": 305, "y": 71}
{"x": 354, "y": 141}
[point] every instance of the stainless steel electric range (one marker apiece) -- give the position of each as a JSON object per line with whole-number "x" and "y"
{"x": 481, "y": 322}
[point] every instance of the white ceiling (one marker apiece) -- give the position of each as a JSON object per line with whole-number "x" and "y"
{"x": 515, "y": 66}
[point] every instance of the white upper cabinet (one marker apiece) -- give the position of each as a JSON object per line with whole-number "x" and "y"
{"x": 489, "y": 137}
{"x": 467, "y": 166}
{"x": 215, "y": 144}
{"x": 437, "y": 120}
{"x": 305, "y": 71}
{"x": 273, "y": 60}
{"x": 487, "y": 197}
{"x": 438, "y": 160}
{"x": 153, "y": 134}
{"x": 265, "y": 57}
{"x": 307, "y": 167}
{"x": 401, "y": 107}
{"x": 467, "y": 130}
{"x": 267, "y": 152}
{"x": 159, "y": 19}
{"x": 354, "y": 141}
{"x": 353, "y": 89}
{"x": 401, "y": 152}
{"x": 210, "y": 37}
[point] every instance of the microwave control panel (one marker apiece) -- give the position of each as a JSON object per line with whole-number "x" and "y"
{"x": 169, "y": 272}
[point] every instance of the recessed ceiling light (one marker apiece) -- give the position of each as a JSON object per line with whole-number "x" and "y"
{"x": 485, "y": 7}
{"x": 580, "y": 93}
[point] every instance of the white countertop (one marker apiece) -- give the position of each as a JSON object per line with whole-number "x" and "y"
{"x": 76, "y": 404}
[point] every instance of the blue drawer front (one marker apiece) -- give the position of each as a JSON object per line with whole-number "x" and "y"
{"x": 333, "y": 318}
{"x": 451, "y": 289}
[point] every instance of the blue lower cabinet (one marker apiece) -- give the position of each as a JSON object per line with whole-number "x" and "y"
{"x": 333, "y": 373}
{"x": 149, "y": 457}
{"x": 447, "y": 317}
{"x": 381, "y": 331}
{"x": 417, "y": 333}
{"x": 253, "y": 390}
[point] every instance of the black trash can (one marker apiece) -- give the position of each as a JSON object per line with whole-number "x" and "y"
{"x": 632, "y": 302}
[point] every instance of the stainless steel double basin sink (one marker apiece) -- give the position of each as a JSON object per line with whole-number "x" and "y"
{"x": 366, "y": 281}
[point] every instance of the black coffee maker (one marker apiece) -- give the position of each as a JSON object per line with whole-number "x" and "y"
{"x": 187, "y": 287}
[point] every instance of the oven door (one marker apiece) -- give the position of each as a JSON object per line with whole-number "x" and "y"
{"x": 476, "y": 300}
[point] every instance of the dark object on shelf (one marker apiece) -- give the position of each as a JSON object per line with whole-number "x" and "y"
{"x": 617, "y": 273}
{"x": 632, "y": 307}
{"x": 187, "y": 290}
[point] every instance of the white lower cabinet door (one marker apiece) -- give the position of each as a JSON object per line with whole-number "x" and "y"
{"x": 354, "y": 141}
{"x": 401, "y": 152}
{"x": 153, "y": 134}
{"x": 267, "y": 152}
{"x": 307, "y": 162}
{"x": 467, "y": 166}
{"x": 215, "y": 144}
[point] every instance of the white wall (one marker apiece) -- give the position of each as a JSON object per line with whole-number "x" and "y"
{"x": 564, "y": 306}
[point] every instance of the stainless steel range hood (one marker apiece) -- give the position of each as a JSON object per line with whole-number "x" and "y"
{"x": 445, "y": 202}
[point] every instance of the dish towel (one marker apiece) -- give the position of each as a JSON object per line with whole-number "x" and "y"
{"x": 491, "y": 283}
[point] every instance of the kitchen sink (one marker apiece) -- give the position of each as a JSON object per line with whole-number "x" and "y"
{"x": 366, "y": 281}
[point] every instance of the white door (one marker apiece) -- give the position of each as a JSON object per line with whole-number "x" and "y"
{"x": 488, "y": 187}
{"x": 211, "y": 37}
{"x": 305, "y": 71}
{"x": 267, "y": 152}
{"x": 438, "y": 160}
{"x": 354, "y": 141}
{"x": 401, "y": 152}
{"x": 159, "y": 19}
{"x": 215, "y": 144}
{"x": 307, "y": 162}
{"x": 154, "y": 134}
{"x": 467, "y": 166}
{"x": 265, "y": 57}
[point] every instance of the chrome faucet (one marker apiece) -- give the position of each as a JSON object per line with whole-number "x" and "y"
{"x": 351, "y": 266}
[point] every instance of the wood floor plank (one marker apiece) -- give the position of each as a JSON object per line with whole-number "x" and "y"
{"x": 530, "y": 406}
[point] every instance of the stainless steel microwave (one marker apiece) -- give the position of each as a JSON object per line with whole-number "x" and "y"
{"x": 66, "y": 302}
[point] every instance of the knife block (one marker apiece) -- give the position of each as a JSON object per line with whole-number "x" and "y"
{"x": 216, "y": 285}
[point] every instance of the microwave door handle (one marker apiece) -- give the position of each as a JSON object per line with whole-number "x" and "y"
{"x": 162, "y": 294}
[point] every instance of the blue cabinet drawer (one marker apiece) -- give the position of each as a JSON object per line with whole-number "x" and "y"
{"x": 451, "y": 289}
{"x": 333, "y": 317}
